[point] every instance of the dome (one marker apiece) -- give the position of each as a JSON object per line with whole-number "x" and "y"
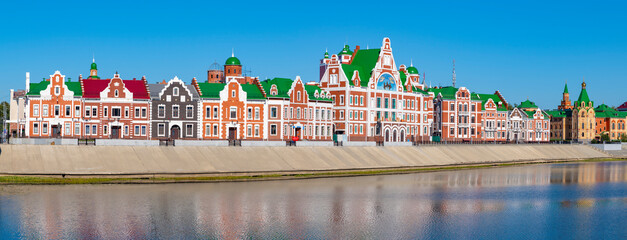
{"x": 215, "y": 66}
{"x": 346, "y": 51}
{"x": 412, "y": 70}
{"x": 232, "y": 61}
{"x": 94, "y": 66}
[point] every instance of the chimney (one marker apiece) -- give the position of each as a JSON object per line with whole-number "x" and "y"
{"x": 27, "y": 81}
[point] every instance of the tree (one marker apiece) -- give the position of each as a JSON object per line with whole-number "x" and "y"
{"x": 605, "y": 137}
{"x": 623, "y": 138}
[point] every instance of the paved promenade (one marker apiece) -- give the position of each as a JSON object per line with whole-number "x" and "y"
{"x": 56, "y": 159}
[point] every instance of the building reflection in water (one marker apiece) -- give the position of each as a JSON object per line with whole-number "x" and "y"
{"x": 393, "y": 206}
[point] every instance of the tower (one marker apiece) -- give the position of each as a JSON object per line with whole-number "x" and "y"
{"x": 324, "y": 63}
{"x": 583, "y": 117}
{"x": 565, "y": 104}
{"x": 93, "y": 72}
{"x": 232, "y": 67}
{"x": 215, "y": 74}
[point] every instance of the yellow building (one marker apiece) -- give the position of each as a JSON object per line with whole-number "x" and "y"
{"x": 583, "y": 117}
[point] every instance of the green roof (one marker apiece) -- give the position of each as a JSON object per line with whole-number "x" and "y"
{"x": 94, "y": 66}
{"x": 232, "y": 61}
{"x": 604, "y": 111}
{"x": 283, "y": 85}
{"x": 447, "y": 92}
{"x": 346, "y": 51}
{"x": 210, "y": 90}
{"x": 412, "y": 70}
{"x": 565, "y": 87}
{"x": 527, "y": 104}
{"x": 559, "y": 113}
{"x": 326, "y": 54}
{"x": 311, "y": 91}
{"x": 252, "y": 91}
{"x": 485, "y": 97}
{"x": 583, "y": 96}
{"x": 36, "y": 88}
{"x": 364, "y": 61}
{"x": 531, "y": 113}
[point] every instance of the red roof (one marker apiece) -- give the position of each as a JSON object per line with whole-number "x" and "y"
{"x": 623, "y": 107}
{"x": 93, "y": 87}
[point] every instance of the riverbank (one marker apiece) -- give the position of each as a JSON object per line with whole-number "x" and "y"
{"x": 267, "y": 176}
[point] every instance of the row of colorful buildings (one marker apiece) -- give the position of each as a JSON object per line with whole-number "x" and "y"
{"x": 362, "y": 95}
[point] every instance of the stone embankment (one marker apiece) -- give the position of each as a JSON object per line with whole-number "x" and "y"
{"x": 137, "y": 160}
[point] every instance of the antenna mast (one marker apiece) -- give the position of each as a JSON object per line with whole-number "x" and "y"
{"x": 454, "y": 73}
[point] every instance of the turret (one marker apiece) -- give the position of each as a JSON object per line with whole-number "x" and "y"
{"x": 93, "y": 72}
{"x": 232, "y": 67}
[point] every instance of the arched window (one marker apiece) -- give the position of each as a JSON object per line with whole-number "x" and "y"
{"x": 116, "y": 93}
{"x": 228, "y": 71}
{"x": 298, "y": 96}
{"x": 175, "y": 91}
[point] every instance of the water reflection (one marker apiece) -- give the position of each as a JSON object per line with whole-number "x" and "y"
{"x": 586, "y": 200}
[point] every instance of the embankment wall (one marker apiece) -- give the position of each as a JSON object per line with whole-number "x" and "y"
{"x": 66, "y": 159}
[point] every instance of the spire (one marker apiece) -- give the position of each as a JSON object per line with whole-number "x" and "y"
{"x": 93, "y": 58}
{"x": 411, "y": 62}
{"x": 424, "y": 78}
{"x": 566, "y": 87}
{"x": 232, "y": 52}
{"x": 454, "y": 73}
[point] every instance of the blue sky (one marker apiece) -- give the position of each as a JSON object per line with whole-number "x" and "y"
{"x": 525, "y": 49}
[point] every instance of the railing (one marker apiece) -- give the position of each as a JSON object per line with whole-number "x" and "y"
{"x": 235, "y": 143}
{"x": 86, "y": 141}
{"x": 167, "y": 142}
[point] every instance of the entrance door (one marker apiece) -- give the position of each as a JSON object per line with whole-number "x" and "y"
{"x": 394, "y": 136}
{"x": 115, "y": 132}
{"x": 175, "y": 132}
{"x": 232, "y": 133}
{"x": 56, "y": 131}
{"x": 387, "y": 135}
{"x": 298, "y": 133}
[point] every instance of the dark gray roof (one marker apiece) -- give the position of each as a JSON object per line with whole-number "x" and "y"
{"x": 155, "y": 89}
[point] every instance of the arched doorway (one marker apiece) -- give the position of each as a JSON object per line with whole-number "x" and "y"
{"x": 175, "y": 132}
{"x": 387, "y": 135}
{"x": 402, "y": 135}
{"x": 394, "y": 135}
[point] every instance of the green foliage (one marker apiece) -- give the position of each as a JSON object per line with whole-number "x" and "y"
{"x": 605, "y": 137}
{"x": 623, "y": 138}
{"x": 4, "y": 109}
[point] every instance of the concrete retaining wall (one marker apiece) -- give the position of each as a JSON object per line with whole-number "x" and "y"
{"x": 187, "y": 143}
{"x": 607, "y": 147}
{"x": 65, "y": 159}
{"x": 126, "y": 142}
{"x": 359, "y": 144}
{"x": 314, "y": 144}
{"x": 43, "y": 141}
{"x": 262, "y": 143}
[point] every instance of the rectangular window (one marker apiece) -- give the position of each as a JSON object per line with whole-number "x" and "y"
{"x": 136, "y": 132}
{"x": 94, "y": 111}
{"x": 161, "y": 129}
{"x": 44, "y": 110}
{"x": 87, "y": 111}
{"x": 249, "y": 130}
{"x": 189, "y": 112}
{"x": 143, "y": 130}
{"x": 68, "y": 110}
{"x": 393, "y": 103}
{"x": 115, "y": 112}
{"x": 36, "y": 110}
{"x": 44, "y": 128}
{"x": 104, "y": 129}
{"x": 256, "y": 130}
{"x": 207, "y": 112}
{"x": 161, "y": 111}
{"x": 215, "y": 112}
{"x": 77, "y": 129}
{"x": 342, "y": 100}
{"x": 215, "y": 130}
{"x": 273, "y": 129}
{"x": 233, "y": 113}
{"x": 144, "y": 112}
{"x": 105, "y": 111}
{"x": 136, "y": 112}
{"x": 273, "y": 112}
{"x": 126, "y": 112}
{"x": 68, "y": 129}
{"x": 189, "y": 130}
{"x": 207, "y": 130}
{"x": 250, "y": 113}
{"x": 35, "y": 128}
{"x": 175, "y": 111}
{"x": 257, "y": 113}
{"x": 126, "y": 130}
{"x": 94, "y": 130}
{"x": 386, "y": 103}
{"x": 87, "y": 128}
{"x": 378, "y": 102}
{"x": 452, "y": 106}
{"x": 57, "y": 110}
{"x": 78, "y": 111}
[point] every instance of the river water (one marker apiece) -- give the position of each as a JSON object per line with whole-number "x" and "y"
{"x": 550, "y": 201}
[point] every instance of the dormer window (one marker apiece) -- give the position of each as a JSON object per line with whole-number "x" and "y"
{"x": 116, "y": 93}
{"x": 57, "y": 90}
{"x": 175, "y": 91}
